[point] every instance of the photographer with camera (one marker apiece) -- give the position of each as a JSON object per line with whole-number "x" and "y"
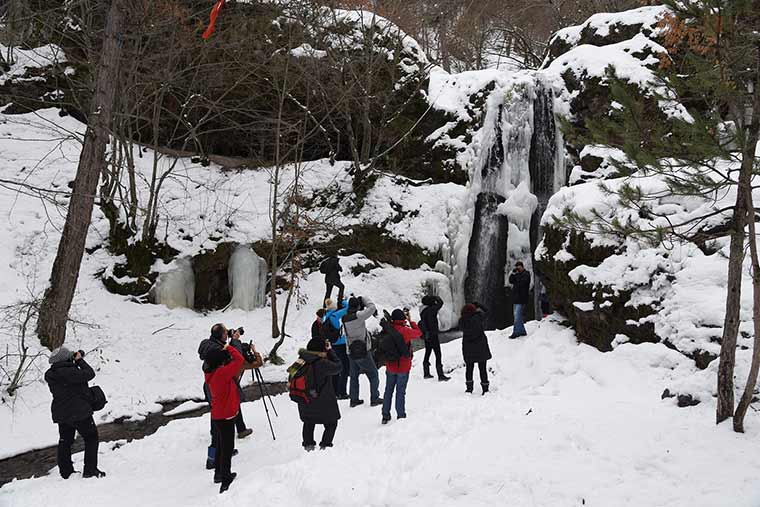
{"x": 217, "y": 341}
{"x": 431, "y": 305}
{"x": 520, "y": 281}
{"x": 223, "y": 365}
{"x": 359, "y": 350}
{"x": 72, "y": 409}
{"x": 397, "y": 372}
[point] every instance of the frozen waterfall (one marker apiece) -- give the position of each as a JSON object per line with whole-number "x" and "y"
{"x": 176, "y": 288}
{"x": 247, "y": 275}
{"x": 518, "y": 165}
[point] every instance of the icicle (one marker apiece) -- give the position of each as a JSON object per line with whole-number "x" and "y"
{"x": 247, "y": 274}
{"x": 176, "y": 288}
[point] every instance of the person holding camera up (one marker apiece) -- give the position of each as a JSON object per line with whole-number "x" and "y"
{"x": 332, "y": 326}
{"x": 223, "y": 365}
{"x": 316, "y": 326}
{"x": 71, "y": 408}
{"x": 323, "y": 408}
{"x": 359, "y": 350}
{"x": 431, "y": 305}
{"x": 217, "y": 341}
{"x": 475, "y": 348}
{"x": 397, "y": 372}
{"x": 520, "y": 281}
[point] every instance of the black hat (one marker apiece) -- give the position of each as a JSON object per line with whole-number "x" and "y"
{"x": 353, "y": 303}
{"x": 316, "y": 345}
{"x": 216, "y": 358}
{"x": 398, "y": 315}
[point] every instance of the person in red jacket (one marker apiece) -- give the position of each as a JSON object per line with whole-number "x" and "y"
{"x": 397, "y": 372}
{"x": 223, "y": 365}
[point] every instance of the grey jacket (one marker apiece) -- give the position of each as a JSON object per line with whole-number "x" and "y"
{"x": 356, "y": 329}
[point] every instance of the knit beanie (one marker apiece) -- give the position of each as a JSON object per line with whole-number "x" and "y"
{"x": 330, "y": 304}
{"x": 469, "y": 309}
{"x": 316, "y": 345}
{"x": 60, "y": 354}
{"x": 398, "y": 315}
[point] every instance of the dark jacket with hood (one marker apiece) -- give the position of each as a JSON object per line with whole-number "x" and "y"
{"x": 67, "y": 381}
{"x": 207, "y": 346}
{"x": 520, "y": 287}
{"x": 332, "y": 269}
{"x": 474, "y": 340}
{"x": 324, "y": 408}
{"x": 431, "y": 305}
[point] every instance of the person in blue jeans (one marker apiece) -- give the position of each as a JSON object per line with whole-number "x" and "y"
{"x": 333, "y": 331}
{"x": 520, "y": 281}
{"x": 397, "y": 372}
{"x": 359, "y": 350}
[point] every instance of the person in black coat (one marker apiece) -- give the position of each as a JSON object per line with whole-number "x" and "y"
{"x": 520, "y": 281}
{"x": 474, "y": 345}
{"x": 431, "y": 305}
{"x": 331, "y": 268}
{"x": 324, "y": 409}
{"x": 71, "y": 408}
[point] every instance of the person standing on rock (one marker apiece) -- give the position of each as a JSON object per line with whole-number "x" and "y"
{"x": 223, "y": 365}
{"x": 397, "y": 372}
{"x": 360, "y": 358}
{"x": 324, "y": 408}
{"x": 71, "y": 409}
{"x": 520, "y": 281}
{"x": 431, "y": 305}
{"x": 475, "y": 348}
{"x": 331, "y": 268}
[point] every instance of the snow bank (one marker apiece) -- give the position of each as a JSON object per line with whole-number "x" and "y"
{"x": 600, "y": 25}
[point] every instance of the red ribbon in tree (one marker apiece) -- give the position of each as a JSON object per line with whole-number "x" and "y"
{"x": 212, "y": 22}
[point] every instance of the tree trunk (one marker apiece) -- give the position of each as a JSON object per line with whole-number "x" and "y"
{"x": 748, "y": 163}
{"x": 55, "y": 306}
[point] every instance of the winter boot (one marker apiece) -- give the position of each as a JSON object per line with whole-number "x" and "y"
{"x": 246, "y": 432}
{"x": 94, "y": 473}
{"x": 469, "y": 385}
{"x": 426, "y": 370}
{"x": 211, "y": 458}
{"x": 356, "y": 403}
{"x": 226, "y": 482}
{"x": 375, "y": 403}
{"x": 484, "y": 385}
{"x": 442, "y": 376}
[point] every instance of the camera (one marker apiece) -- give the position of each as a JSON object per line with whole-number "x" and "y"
{"x": 231, "y": 332}
{"x": 247, "y": 351}
{"x": 361, "y": 303}
{"x": 80, "y": 352}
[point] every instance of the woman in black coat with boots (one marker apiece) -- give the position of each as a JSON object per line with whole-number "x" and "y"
{"x": 324, "y": 409}
{"x": 474, "y": 345}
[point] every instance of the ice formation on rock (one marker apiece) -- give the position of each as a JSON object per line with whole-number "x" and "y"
{"x": 176, "y": 288}
{"x": 247, "y": 275}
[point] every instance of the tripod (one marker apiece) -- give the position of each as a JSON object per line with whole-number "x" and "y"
{"x": 259, "y": 379}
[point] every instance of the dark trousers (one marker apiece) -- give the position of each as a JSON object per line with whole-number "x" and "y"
{"x": 329, "y": 289}
{"x": 225, "y": 436}
{"x": 89, "y": 432}
{"x": 239, "y": 425}
{"x": 327, "y": 435}
{"x": 469, "y": 369}
{"x": 340, "y": 381}
{"x": 433, "y": 344}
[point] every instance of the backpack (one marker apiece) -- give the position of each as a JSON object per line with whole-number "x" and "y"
{"x": 97, "y": 398}
{"x": 392, "y": 343}
{"x": 331, "y": 332}
{"x": 357, "y": 349}
{"x": 301, "y": 382}
{"x": 324, "y": 266}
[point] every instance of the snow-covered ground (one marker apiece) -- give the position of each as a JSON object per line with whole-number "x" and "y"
{"x": 564, "y": 425}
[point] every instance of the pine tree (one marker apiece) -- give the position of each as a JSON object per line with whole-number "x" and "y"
{"x": 712, "y": 69}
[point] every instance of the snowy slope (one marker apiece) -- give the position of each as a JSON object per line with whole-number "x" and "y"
{"x": 138, "y": 363}
{"x": 565, "y": 425}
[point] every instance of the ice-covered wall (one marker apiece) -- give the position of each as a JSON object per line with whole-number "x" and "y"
{"x": 176, "y": 288}
{"x": 247, "y": 275}
{"x": 516, "y": 164}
